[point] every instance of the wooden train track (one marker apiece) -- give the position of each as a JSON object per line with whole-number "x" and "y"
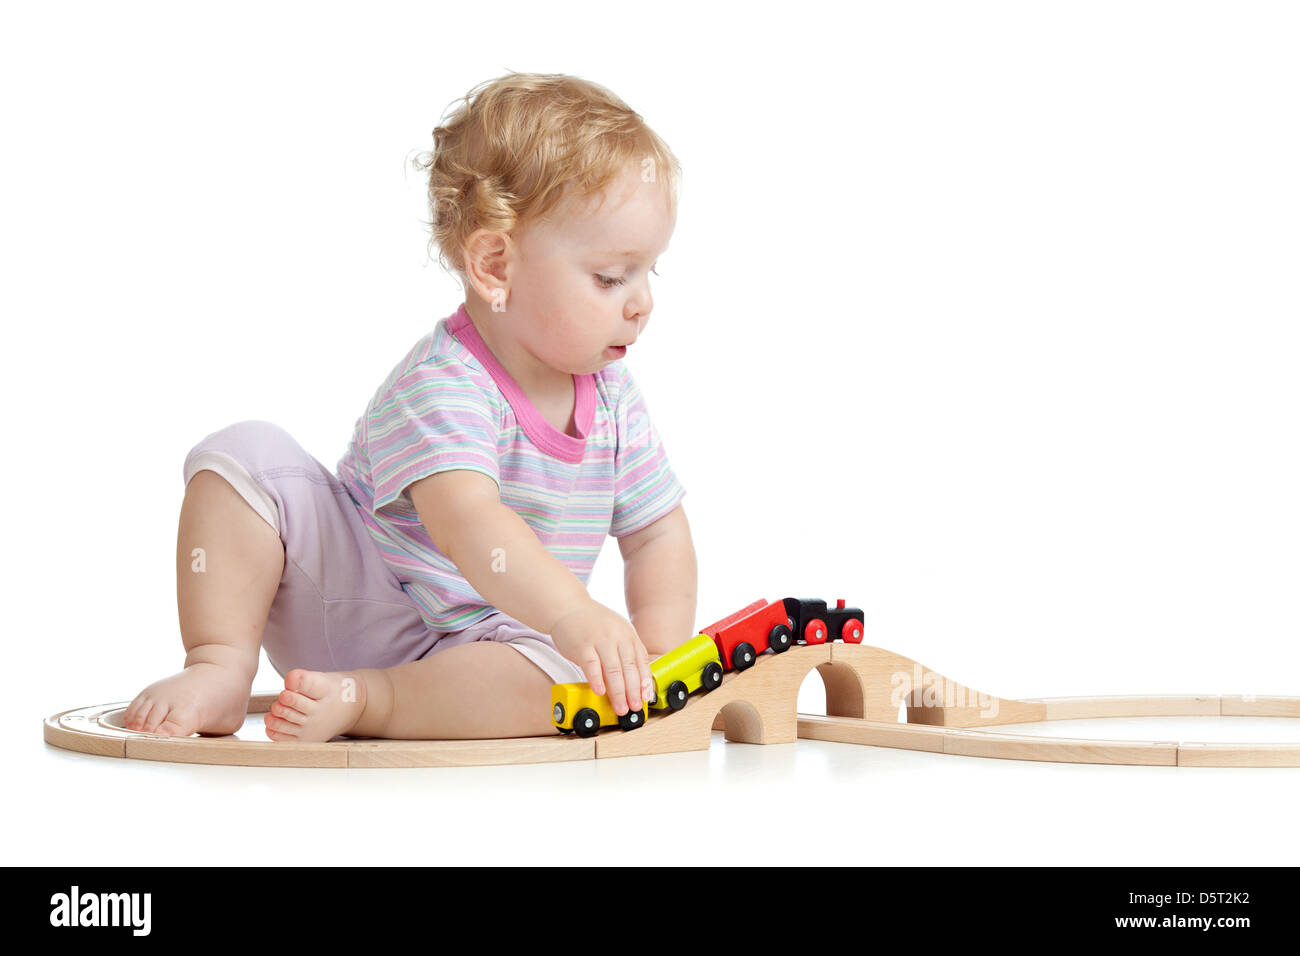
{"x": 866, "y": 688}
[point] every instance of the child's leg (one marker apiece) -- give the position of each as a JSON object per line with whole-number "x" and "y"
{"x": 473, "y": 691}
{"x": 223, "y": 610}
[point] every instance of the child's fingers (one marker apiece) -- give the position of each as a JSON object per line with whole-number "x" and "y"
{"x": 591, "y": 667}
{"x": 616, "y": 687}
{"x": 632, "y": 678}
{"x": 647, "y": 678}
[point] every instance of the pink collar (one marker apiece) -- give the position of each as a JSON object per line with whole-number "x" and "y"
{"x": 543, "y": 434}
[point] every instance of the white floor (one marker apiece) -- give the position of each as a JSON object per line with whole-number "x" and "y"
{"x": 807, "y": 803}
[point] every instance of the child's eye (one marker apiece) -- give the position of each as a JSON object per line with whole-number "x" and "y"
{"x": 609, "y": 282}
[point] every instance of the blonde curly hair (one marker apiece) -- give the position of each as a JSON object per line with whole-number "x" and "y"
{"x": 504, "y": 156}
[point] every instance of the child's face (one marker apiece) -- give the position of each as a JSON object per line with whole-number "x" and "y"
{"x": 574, "y": 296}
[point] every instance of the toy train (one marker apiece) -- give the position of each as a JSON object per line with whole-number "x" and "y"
{"x": 732, "y": 643}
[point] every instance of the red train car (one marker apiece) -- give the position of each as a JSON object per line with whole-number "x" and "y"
{"x": 742, "y": 636}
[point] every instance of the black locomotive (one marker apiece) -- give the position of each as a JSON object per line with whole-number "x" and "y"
{"x": 812, "y": 622}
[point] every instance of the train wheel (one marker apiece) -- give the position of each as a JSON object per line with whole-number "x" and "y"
{"x": 586, "y": 722}
{"x": 814, "y": 632}
{"x": 743, "y": 656}
{"x": 711, "y": 677}
{"x": 632, "y": 719}
{"x": 780, "y": 639}
{"x": 565, "y": 730}
{"x": 851, "y": 632}
{"x": 677, "y": 694}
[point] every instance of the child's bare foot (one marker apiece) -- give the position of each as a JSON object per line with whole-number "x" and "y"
{"x": 316, "y": 706}
{"x": 204, "y": 698}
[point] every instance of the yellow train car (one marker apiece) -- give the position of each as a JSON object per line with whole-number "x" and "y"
{"x": 684, "y": 670}
{"x": 575, "y": 708}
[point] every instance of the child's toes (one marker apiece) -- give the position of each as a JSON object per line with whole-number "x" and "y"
{"x": 293, "y": 680}
{"x": 159, "y": 714}
{"x": 130, "y": 716}
{"x": 300, "y": 705}
{"x": 312, "y": 684}
{"x": 172, "y": 728}
{"x": 137, "y": 715}
{"x": 174, "y": 721}
{"x": 278, "y": 729}
{"x": 278, "y": 709}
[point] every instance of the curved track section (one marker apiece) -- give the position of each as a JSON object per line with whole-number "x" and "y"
{"x": 866, "y": 689}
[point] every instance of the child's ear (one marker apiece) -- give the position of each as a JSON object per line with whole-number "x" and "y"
{"x": 486, "y": 265}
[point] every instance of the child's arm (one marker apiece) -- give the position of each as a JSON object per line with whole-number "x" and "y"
{"x": 660, "y": 581}
{"x": 501, "y": 556}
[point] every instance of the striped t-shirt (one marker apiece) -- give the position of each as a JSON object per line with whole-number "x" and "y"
{"x": 449, "y": 404}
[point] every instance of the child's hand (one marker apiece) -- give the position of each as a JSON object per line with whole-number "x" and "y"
{"x": 606, "y": 646}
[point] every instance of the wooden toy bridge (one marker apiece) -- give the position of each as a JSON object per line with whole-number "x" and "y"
{"x": 867, "y": 690}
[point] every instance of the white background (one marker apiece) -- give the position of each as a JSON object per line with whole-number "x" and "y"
{"x": 980, "y": 315}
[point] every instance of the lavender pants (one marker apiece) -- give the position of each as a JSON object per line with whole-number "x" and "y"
{"x": 339, "y": 606}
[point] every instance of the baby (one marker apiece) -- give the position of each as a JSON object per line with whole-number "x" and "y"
{"x": 435, "y": 586}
